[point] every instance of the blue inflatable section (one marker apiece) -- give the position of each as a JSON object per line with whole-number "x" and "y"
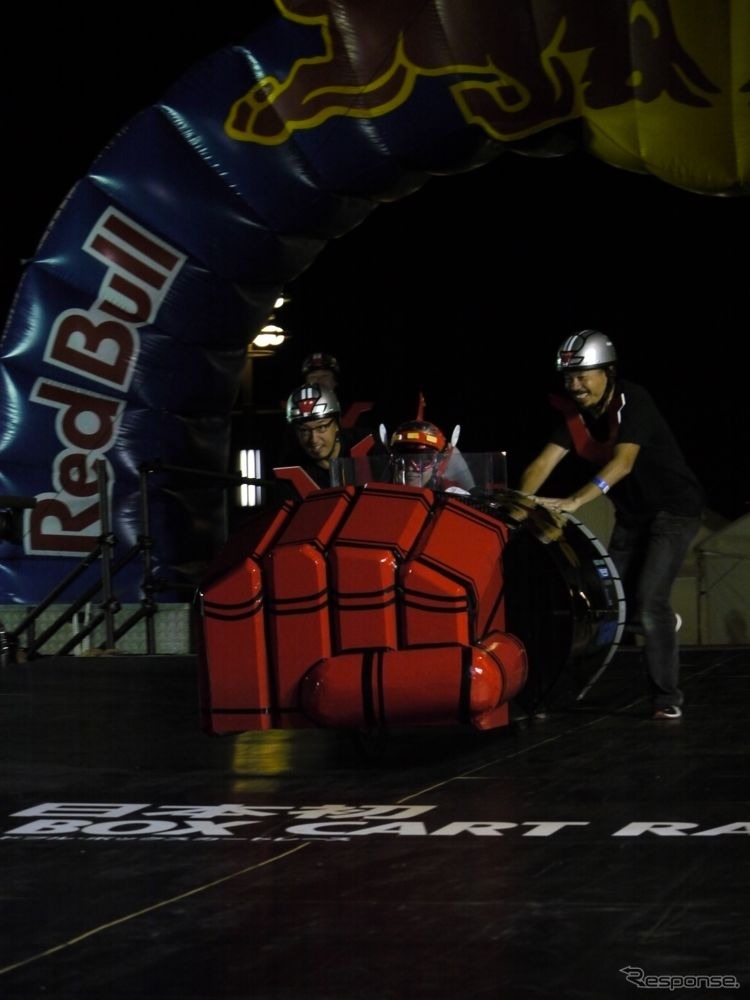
{"x": 128, "y": 334}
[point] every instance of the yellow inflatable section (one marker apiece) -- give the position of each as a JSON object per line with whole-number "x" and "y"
{"x": 653, "y": 86}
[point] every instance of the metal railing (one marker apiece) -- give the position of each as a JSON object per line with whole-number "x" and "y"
{"x": 103, "y": 591}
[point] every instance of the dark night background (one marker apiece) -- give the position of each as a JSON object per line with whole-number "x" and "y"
{"x": 463, "y": 289}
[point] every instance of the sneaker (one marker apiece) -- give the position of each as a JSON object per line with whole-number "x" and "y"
{"x": 670, "y": 712}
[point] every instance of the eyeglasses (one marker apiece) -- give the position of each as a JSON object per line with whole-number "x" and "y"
{"x": 305, "y": 433}
{"x": 419, "y": 464}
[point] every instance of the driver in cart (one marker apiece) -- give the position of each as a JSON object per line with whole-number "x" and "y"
{"x": 421, "y": 455}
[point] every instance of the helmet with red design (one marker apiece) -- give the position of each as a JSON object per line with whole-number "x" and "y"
{"x": 418, "y": 435}
{"x": 419, "y": 450}
{"x": 312, "y": 402}
{"x": 585, "y": 350}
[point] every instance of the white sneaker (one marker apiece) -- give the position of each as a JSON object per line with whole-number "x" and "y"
{"x": 670, "y": 712}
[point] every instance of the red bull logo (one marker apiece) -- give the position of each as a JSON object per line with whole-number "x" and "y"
{"x": 512, "y": 69}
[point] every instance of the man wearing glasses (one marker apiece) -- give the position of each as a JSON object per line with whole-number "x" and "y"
{"x": 421, "y": 455}
{"x": 314, "y": 414}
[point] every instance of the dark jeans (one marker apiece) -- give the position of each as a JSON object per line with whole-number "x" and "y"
{"x": 648, "y": 558}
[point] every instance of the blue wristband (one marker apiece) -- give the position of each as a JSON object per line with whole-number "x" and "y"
{"x": 601, "y": 483}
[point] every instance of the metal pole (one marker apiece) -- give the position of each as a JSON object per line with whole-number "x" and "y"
{"x": 148, "y": 583}
{"x": 108, "y": 542}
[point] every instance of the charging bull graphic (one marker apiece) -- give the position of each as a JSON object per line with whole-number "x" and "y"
{"x": 513, "y": 68}
{"x": 127, "y": 338}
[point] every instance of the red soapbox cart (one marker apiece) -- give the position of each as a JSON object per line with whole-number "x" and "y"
{"x": 371, "y": 605}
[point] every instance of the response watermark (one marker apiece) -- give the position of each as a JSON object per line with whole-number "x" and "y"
{"x": 639, "y": 978}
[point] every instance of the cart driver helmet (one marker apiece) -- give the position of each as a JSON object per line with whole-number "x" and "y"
{"x": 418, "y": 435}
{"x": 419, "y": 449}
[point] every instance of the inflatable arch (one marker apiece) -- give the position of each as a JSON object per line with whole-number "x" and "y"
{"x": 129, "y": 329}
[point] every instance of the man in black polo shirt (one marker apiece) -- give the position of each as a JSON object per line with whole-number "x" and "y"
{"x": 616, "y": 426}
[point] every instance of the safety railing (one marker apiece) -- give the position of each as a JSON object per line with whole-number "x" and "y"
{"x": 26, "y": 637}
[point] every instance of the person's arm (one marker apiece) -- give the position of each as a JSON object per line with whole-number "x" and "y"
{"x": 539, "y": 469}
{"x": 619, "y": 466}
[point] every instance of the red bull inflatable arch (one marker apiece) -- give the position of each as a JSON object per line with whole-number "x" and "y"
{"x": 129, "y": 329}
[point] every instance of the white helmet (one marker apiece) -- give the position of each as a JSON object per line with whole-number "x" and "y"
{"x": 585, "y": 350}
{"x": 311, "y": 402}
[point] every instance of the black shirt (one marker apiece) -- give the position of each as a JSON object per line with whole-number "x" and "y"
{"x": 661, "y": 479}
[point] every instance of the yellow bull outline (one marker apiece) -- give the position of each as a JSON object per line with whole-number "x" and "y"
{"x": 269, "y": 90}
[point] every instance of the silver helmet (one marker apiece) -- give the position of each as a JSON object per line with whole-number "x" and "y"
{"x": 585, "y": 350}
{"x": 311, "y": 402}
